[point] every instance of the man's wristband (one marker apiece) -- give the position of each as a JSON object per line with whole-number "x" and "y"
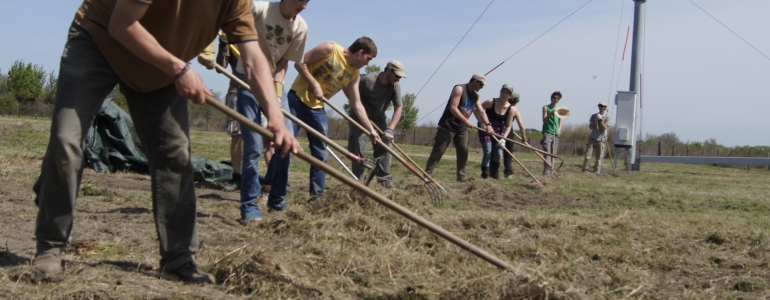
{"x": 182, "y": 72}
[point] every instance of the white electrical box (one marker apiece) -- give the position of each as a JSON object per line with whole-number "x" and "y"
{"x": 625, "y": 119}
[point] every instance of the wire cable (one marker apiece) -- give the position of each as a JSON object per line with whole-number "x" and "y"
{"x": 617, "y": 41}
{"x": 728, "y": 28}
{"x": 541, "y": 35}
{"x": 517, "y": 52}
{"x": 453, "y": 49}
{"x": 447, "y": 57}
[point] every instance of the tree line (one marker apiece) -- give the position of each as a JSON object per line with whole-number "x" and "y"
{"x": 28, "y": 90}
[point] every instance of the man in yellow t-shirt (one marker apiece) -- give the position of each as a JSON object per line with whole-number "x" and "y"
{"x": 325, "y": 70}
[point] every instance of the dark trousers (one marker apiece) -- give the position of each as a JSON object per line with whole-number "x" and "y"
{"x": 442, "y": 139}
{"x": 161, "y": 121}
{"x": 507, "y": 159}
{"x": 357, "y": 142}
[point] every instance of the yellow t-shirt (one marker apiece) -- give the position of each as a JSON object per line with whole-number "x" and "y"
{"x": 332, "y": 73}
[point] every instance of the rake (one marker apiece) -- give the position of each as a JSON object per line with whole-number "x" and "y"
{"x": 539, "y": 152}
{"x": 443, "y": 233}
{"x": 354, "y": 158}
{"x": 434, "y": 190}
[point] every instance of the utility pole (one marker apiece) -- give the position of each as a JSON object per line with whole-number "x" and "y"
{"x": 637, "y": 46}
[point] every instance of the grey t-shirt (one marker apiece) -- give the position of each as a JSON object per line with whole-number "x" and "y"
{"x": 377, "y": 97}
{"x": 597, "y": 134}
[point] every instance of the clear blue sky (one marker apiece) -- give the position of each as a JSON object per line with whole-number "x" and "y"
{"x": 700, "y": 80}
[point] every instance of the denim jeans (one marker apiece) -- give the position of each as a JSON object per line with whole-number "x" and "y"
{"x": 161, "y": 122}
{"x": 491, "y": 152}
{"x": 252, "y": 150}
{"x": 278, "y": 171}
{"x": 550, "y": 144}
{"x": 507, "y": 159}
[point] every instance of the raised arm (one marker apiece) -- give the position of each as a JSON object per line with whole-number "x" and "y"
{"x": 315, "y": 54}
{"x": 124, "y": 26}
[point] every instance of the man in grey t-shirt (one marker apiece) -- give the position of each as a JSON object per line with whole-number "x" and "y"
{"x": 378, "y": 90}
{"x": 598, "y": 125}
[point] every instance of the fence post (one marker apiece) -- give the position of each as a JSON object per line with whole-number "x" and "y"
{"x": 659, "y": 148}
{"x": 672, "y": 149}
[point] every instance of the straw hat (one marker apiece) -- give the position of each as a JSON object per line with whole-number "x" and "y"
{"x": 561, "y": 112}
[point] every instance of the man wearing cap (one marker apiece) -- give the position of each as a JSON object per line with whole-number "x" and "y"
{"x": 453, "y": 124}
{"x": 323, "y": 72}
{"x": 598, "y": 125}
{"x": 378, "y": 91}
{"x": 145, "y": 46}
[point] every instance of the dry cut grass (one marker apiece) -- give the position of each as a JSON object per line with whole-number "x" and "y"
{"x": 670, "y": 231}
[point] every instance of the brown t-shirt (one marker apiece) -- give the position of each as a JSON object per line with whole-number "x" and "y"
{"x": 182, "y": 27}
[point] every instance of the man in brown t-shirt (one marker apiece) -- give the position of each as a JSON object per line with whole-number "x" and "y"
{"x": 145, "y": 46}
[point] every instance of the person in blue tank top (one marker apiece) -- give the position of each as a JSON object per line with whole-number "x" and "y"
{"x": 454, "y": 123}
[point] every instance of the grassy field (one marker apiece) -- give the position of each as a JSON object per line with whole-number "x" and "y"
{"x": 669, "y": 231}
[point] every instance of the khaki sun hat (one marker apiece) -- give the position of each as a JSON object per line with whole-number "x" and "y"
{"x": 603, "y": 104}
{"x": 397, "y": 68}
{"x": 480, "y": 78}
{"x": 561, "y": 112}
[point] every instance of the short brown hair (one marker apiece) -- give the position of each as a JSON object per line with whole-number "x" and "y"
{"x": 556, "y": 93}
{"x": 364, "y": 43}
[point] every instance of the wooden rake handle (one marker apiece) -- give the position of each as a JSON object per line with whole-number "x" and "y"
{"x": 369, "y": 192}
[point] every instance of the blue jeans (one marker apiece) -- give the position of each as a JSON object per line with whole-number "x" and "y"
{"x": 161, "y": 122}
{"x": 252, "y": 150}
{"x": 278, "y": 171}
{"x": 490, "y": 154}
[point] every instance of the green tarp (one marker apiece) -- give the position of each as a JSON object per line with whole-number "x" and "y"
{"x": 113, "y": 145}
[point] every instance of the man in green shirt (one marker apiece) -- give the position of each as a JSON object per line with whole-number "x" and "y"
{"x": 551, "y": 130}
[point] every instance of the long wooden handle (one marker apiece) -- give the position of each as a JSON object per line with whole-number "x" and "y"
{"x": 368, "y": 192}
{"x": 515, "y": 159}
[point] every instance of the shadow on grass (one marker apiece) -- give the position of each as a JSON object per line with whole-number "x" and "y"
{"x": 9, "y": 259}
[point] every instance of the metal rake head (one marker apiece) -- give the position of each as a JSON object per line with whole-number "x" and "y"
{"x": 436, "y": 196}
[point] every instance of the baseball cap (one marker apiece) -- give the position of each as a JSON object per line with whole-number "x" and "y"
{"x": 603, "y": 104}
{"x": 515, "y": 96}
{"x": 508, "y": 87}
{"x": 480, "y": 78}
{"x": 397, "y": 68}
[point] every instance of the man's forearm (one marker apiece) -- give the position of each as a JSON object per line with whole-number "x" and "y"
{"x": 131, "y": 34}
{"x": 305, "y": 73}
{"x": 280, "y": 70}
{"x": 397, "y": 111}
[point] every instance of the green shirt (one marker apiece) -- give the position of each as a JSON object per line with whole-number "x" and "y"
{"x": 552, "y": 125}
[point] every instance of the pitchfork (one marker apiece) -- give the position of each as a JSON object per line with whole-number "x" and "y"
{"x": 434, "y": 190}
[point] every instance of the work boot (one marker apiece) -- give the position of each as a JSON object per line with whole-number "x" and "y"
{"x": 235, "y": 183}
{"x": 484, "y": 172}
{"x": 48, "y": 262}
{"x": 189, "y": 273}
{"x": 494, "y": 170}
